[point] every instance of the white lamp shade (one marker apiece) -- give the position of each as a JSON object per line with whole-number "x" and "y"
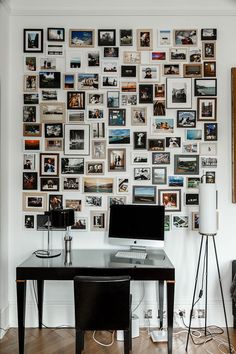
{"x": 207, "y": 209}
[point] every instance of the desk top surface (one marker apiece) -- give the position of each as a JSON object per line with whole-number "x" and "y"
{"x": 99, "y": 261}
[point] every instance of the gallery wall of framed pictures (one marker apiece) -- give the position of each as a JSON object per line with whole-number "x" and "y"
{"x": 113, "y": 116}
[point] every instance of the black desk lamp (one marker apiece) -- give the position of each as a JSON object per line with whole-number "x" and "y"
{"x": 58, "y": 218}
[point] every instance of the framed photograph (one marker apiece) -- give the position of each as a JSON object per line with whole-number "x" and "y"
{"x": 206, "y": 108}
{"x": 49, "y": 164}
{"x": 160, "y": 158}
{"x": 173, "y": 142}
{"x": 98, "y": 149}
{"x": 98, "y": 185}
{"x": 209, "y": 68}
{"x": 49, "y": 95}
{"x": 185, "y": 37}
{"x": 119, "y": 136}
{"x": 94, "y": 58}
{"x": 162, "y": 125}
{"x": 56, "y": 34}
{"x": 72, "y": 165}
{"x": 32, "y": 129}
{"x": 73, "y": 204}
{"x": 159, "y": 175}
{"x": 140, "y": 140}
{"x": 116, "y": 200}
{"x": 190, "y": 148}
{"x": 175, "y": 181}
{"x": 110, "y": 67}
{"x": 111, "y": 52}
{"x": 186, "y": 119}
{"x": 49, "y": 79}
{"x": 75, "y": 100}
{"x": 192, "y": 70}
{"x": 128, "y": 86}
{"x": 131, "y": 57}
{"x": 123, "y": 185}
{"x": 81, "y": 223}
{"x": 113, "y": 99}
{"x": 95, "y": 113}
{"x": 208, "y": 34}
{"x": 70, "y": 184}
{"x": 29, "y": 162}
{"x": 159, "y": 107}
{"x": 52, "y": 112}
{"x": 186, "y": 164}
{"x": 95, "y": 168}
{"x": 170, "y": 198}
{"x": 194, "y": 134}
{"x": 195, "y": 55}
{"x": 209, "y": 162}
{"x": 178, "y": 54}
{"x": 68, "y": 81}
{"x": 191, "y": 199}
{"x": 195, "y": 221}
{"x": 142, "y": 174}
{"x": 98, "y": 130}
{"x": 76, "y": 116}
{"x": 116, "y": 160}
{"x": 209, "y": 149}
{"x": 210, "y": 176}
{"x": 193, "y": 182}
{"x": 55, "y": 50}
{"x": 29, "y": 222}
{"x": 171, "y": 69}
{"x": 77, "y": 140}
{"x": 180, "y": 222}
{"x": 179, "y": 92}
{"x": 156, "y": 145}
{"x": 164, "y": 37}
{"x": 145, "y": 93}
{"x": 31, "y": 98}
{"x": 30, "y": 83}
{"x": 74, "y": 60}
{"x": 109, "y": 81}
{"x": 158, "y": 56}
{"x": 128, "y": 70}
{"x": 144, "y": 39}
{"x": 144, "y": 194}
{"x": 208, "y": 50}
{"x": 87, "y": 81}
{"x": 159, "y": 90}
{"x": 30, "y": 63}
{"x": 129, "y": 99}
{"x": 33, "y": 40}
{"x": 210, "y": 132}
{"x": 117, "y": 117}
{"x": 30, "y": 180}
{"x": 205, "y": 87}
{"x": 53, "y": 130}
{"x": 126, "y": 37}
{"x": 29, "y": 114}
{"x": 81, "y": 38}
{"x": 55, "y": 201}
{"x": 139, "y": 158}
{"x": 138, "y": 115}
{"x": 149, "y": 73}
{"x": 106, "y": 37}
{"x": 96, "y": 98}
{"x": 34, "y": 202}
{"x": 93, "y": 201}
{"x": 167, "y": 222}
{"x": 49, "y": 184}
{"x": 97, "y": 220}
{"x": 32, "y": 144}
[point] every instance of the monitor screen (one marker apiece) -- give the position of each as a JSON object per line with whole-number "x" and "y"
{"x": 137, "y": 225}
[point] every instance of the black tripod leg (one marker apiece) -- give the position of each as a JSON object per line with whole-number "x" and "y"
{"x": 222, "y": 295}
{"x": 194, "y": 293}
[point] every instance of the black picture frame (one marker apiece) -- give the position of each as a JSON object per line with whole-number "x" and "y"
{"x": 53, "y": 130}
{"x": 186, "y": 118}
{"x": 186, "y": 164}
{"x": 208, "y": 34}
{"x": 208, "y": 90}
{"x": 106, "y": 37}
{"x": 30, "y": 180}
{"x": 33, "y": 40}
{"x": 128, "y": 71}
{"x": 145, "y": 93}
{"x": 210, "y": 131}
{"x": 49, "y": 184}
{"x": 49, "y": 79}
{"x": 75, "y": 100}
{"x": 55, "y": 34}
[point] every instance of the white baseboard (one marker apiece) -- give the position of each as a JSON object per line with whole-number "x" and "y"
{"x": 4, "y": 320}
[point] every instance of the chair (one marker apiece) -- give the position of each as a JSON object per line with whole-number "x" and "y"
{"x": 102, "y": 303}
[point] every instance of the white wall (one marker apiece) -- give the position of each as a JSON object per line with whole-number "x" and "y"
{"x": 181, "y": 246}
{"x": 4, "y": 143}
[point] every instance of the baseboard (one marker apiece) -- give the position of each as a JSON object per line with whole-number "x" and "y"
{"x": 4, "y": 320}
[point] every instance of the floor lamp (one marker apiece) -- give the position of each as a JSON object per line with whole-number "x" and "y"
{"x": 207, "y": 229}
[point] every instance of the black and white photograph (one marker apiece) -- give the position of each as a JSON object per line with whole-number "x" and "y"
{"x": 56, "y": 34}
{"x": 77, "y": 140}
{"x": 142, "y": 173}
{"x": 72, "y": 165}
{"x": 145, "y": 93}
{"x": 30, "y": 83}
{"x": 123, "y": 185}
{"x": 206, "y": 108}
{"x": 95, "y": 113}
{"x": 179, "y": 92}
{"x": 116, "y": 160}
{"x": 191, "y": 199}
{"x": 159, "y": 175}
{"x": 49, "y": 95}
{"x": 144, "y": 39}
{"x": 95, "y": 168}
{"x": 93, "y": 58}
{"x": 55, "y": 201}
{"x": 29, "y": 222}
{"x": 131, "y": 57}
{"x": 129, "y": 99}
{"x": 171, "y": 69}
{"x": 149, "y": 73}
{"x": 70, "y": 184}
{"x": 139, "y": 158}
{"x": 98, "y": 149}
{"x": 50, "y": 79}
{"x": 29, "y": 114}
{"x": 178, "y": 54}
{"x": 138, "y": 115}
{"x": 173, "y": 142}
{"x": 75, "y": 204}
{"x": 128, "y": 70}
{"x": 161, "y": 158}
{"x": 208, "y": 34}
{"x": 93, "y": 201}
{"x": 88, "y": 81}
{"x": 34, "y": 201}
{"x": 209, "y": 162}
{"x": 47, "y": 64}
{"x": 53, "y": 130}
{"x": 106, "y": 37}
{"x": 49, "y": 184}
{"x": 180, "y": 222}
{"x": 96, "y": 98}
{"x": 52, "y": 112}
{"x": 111, "y": 52}
{"x": 33, "y": 40}
{"x": 29, "y": 162}
{"x": 110, "y": 66}
{"x": 109, "y": 81}
{"x": 156, "y": 144}
{"x": 31, "y": 98}
{"x": 81, "y": 224}
{"x": 140, "y": 140}
{"x": 126, "y": 37}
{"x": 97, "y": 220}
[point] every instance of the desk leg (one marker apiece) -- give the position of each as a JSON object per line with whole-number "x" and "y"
{"x": 170, "y": 312}
{"x": 161, "y": 301}
{"x": 21, "y": 299}
{"x": 40, "y": 290}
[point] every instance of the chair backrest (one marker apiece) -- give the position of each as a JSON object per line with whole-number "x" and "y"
{"x": 102, "y": 303}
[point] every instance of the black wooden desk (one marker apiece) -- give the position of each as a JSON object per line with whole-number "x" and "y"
{"x": 156, "y": 266}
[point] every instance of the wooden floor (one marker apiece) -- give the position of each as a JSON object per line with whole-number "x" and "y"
{"x": 62, "y": 341}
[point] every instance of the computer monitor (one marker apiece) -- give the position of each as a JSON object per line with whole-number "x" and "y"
{"x": 137, "y": 225}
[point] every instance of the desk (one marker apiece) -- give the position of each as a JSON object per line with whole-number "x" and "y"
{"x": 156, "y": 266}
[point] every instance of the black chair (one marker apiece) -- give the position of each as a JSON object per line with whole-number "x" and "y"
{"x": 102, "y": 303}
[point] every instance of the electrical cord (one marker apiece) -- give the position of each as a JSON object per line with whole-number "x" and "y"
{"x": 141, "y": 300}
{"x": 104, "y": 344}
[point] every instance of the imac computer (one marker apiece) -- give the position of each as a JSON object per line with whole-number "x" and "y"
{"x": 137, "y": 226}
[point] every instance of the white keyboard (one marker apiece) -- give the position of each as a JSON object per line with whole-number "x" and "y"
{"x": 131, "y": 254}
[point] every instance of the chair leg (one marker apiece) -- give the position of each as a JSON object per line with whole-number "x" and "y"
{"x": 79, "y": 342}
{"x": 127, "y": 340}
